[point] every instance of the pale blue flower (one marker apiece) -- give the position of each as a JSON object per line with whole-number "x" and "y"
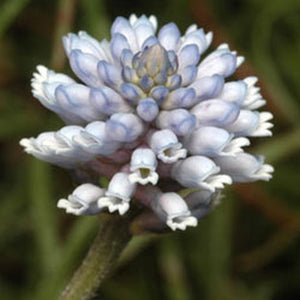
{"x": 172, "y": 209}
{"x": 95, "y": 140}
{"x": 142, "y": 166}
{"x": 199, "y": 171}
{"x": 213, "y": 141}
{"x": 124, "y": 127}
{"x": 83, "y": 200}
{"x": 245, "y": 167}
{"x": 251, "y": 123}
{"x": 118, "y": 194}
{"x": 180, "y": 121}
{"x": 151, "y": 107}
{"x": 166, "y": 146}
{"x": 215, "y": 112}
{"x": 147, "y": 109}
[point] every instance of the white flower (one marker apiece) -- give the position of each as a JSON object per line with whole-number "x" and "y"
{"x": 251, "y": 123}
{"x": 180, "y": 121}
{"x": 124, "y": 127}
{"x": 199, "y": 171}
{"x": 83, "y": 200}
{"x": 245, "y": 167}
{"x": 171, "y": 208}
{"x": 118, "y": 194}
{"x": 95, "y": 140}
{"x": 143, "y": 164}
{"x": 147, "y": 109}
{"x": 254, "y": 99}
{"x": 221, "y": 62}
{"x": 56, "y": 149}
{"x": 214, "y": 141}
{"x": 166, "y": 146}
{"x": 151, "y": 108}
{"x": 215, "y": 112}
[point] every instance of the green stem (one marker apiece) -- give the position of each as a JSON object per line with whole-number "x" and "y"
{"x": 111, "y": 239}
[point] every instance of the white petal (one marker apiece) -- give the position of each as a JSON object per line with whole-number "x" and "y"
{"x": 215, "y": 112}
{"x": 169, "y": 36}
{"x": 209, "y": 141}
{"x": 172, "y": 209}
{"x": 83, "y": 200}
{"x": 193, "y": 170}
{"x": 245, "y": 167}
{"x": 124, "y": 127}
{"x": 84, "y": 65}
{"x": 143, "y": 164}
{"x": 180, "y": 121}
{"x": 166, "y": 146}
{"x": 118, "y": 194}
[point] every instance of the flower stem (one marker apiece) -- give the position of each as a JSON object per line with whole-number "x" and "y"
{"x": 111, "y": 239}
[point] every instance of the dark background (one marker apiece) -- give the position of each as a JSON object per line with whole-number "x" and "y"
{"x": 248, "y": 248}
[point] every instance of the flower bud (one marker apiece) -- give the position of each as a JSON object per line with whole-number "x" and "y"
{"x": 123, "y": 27}
{"x": 143, "y": 28}
{"x": 147, "y": 109}
{"x": 180, "y": 121}
{"x": 84, "y": 65}
{"x": 159, "y": 93}
{"x": 94, "y": 139}
{"x": 234, "y": 91}
{"x": 197, "y": 37}
{"x": 188, "y": 55}
{"x": 221, "y": 62}
{"x": 215, "y": 112}
{"x": 187, "y": 76}
{"x": 44, "y": 84}
{"x": 124, "y": 127}
{"x": 118, "y": 44}
{"x": 154, "y": 60}
{"x": 179, "y": 98}
{"x": 132, "y": 93}
{"x": 106, "y": 101}
{"x": 208, "y": 87}
{"x": 85, "y": 43}
{"x": 109, "y": 74}
{"x": 75, "y": 98}
{"x": 169, "y": 36}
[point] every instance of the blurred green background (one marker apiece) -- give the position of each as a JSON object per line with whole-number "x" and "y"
{"x": 248, "y": 248}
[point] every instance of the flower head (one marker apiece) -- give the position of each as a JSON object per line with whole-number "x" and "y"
{"x": 149, "y": 106}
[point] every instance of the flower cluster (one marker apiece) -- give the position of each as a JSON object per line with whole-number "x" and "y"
{"x": 151, "y": 108}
